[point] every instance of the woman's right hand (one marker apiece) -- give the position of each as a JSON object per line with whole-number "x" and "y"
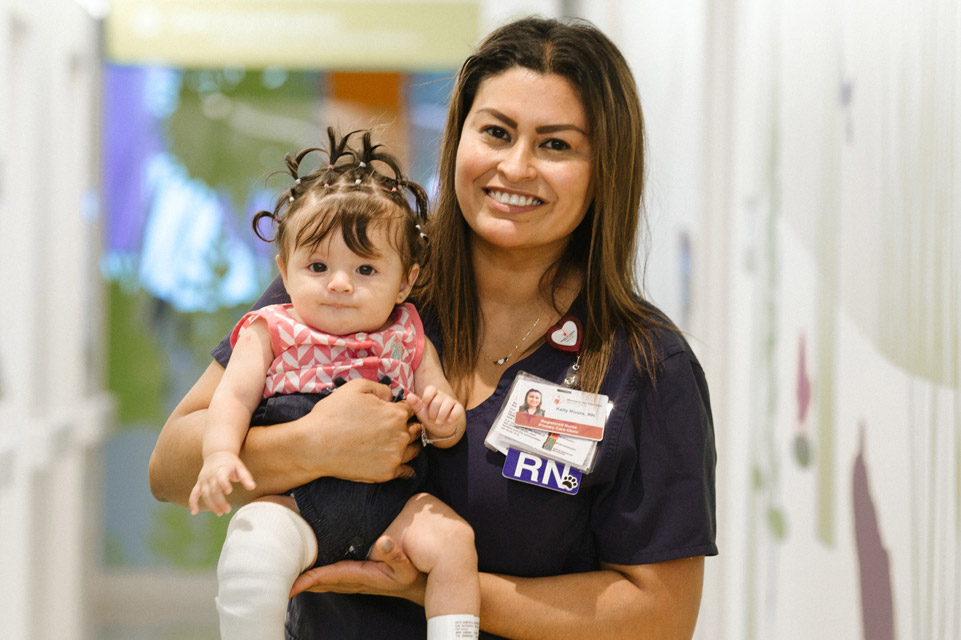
{"x": 356, "y": 433}
{"x": 387, "y": 572}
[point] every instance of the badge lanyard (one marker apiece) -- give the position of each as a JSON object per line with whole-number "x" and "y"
{"x": 566, "y": 336}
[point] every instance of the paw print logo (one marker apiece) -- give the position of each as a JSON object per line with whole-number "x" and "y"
{"x": 569, "y": 482}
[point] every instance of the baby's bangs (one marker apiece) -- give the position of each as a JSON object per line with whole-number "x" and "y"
{"x": 352, "y": 213}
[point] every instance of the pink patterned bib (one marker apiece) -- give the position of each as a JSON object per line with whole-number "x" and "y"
{"x": 308, "y": 361}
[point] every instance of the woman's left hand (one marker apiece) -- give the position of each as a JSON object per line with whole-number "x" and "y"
{"x": 388, "y": 572}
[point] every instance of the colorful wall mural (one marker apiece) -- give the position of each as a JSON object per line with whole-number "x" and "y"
{"x": 847, "y": 214}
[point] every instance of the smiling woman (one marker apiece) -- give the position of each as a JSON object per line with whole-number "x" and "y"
{"x": 524, "y": 163}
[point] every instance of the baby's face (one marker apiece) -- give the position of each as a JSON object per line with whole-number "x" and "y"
{"x": 339, "y": 292}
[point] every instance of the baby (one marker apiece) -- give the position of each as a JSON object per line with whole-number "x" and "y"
{"x": 349, "y": 244}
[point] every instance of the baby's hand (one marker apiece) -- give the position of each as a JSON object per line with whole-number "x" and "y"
{"x": 441, "y": 415}
{"x": 220, "y": 471}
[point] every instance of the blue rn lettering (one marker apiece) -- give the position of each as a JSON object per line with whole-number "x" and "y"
{"x": 550, "y": 474}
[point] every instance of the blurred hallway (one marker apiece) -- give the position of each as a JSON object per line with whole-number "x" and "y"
{"x": 805, "y": 211}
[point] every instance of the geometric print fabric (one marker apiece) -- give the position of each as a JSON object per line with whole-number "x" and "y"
{"x": 308, "y": 361}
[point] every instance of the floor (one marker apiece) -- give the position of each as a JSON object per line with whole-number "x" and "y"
{"x": 152, "y": 605}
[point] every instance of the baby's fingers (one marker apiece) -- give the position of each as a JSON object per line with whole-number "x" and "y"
{"x": 415, "y": 402}
{"x": 423, "y": 402}
{"x": 446, "y": 410}
{"x": 216, "y": 501}
{"x": 244, "y": 477}
{"x": 456, "y": 412}
{"x": 194, "y": 501}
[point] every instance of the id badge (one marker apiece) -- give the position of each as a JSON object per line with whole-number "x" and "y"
{"x": 563, "y": 425}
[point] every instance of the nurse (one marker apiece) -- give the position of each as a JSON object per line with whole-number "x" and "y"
{"x": 534, "y": 243}
{"x": 532, "y": 403}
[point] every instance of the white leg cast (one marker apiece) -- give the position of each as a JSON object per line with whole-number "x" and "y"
{"x": 267, "y": 547}
{"x": 453, "y": 627}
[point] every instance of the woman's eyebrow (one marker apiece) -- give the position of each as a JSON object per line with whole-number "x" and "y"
{"x": 547, "y": 128}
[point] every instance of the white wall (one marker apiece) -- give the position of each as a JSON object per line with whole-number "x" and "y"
{"x": 52, "y": 411}
{"x": 846, "y": 215}
{"x": 810, "y": 149}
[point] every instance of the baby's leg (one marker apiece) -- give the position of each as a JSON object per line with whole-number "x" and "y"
{"x": 441, "y": 544}
{"x": 268, "y": 545}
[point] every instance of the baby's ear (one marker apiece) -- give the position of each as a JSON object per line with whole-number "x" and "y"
{"x": 283, "y": 269}
{"x": 408, "y": 283}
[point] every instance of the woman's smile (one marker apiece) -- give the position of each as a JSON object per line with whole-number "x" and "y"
{"x": 513, "y": 199}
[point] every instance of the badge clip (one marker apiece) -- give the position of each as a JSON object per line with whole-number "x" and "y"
{"x": 566, "y": 335}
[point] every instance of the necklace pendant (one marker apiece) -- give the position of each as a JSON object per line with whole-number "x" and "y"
{"x": 501, "y": 361}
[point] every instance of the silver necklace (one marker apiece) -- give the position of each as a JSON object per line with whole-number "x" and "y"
{"x": 502, "y": 361}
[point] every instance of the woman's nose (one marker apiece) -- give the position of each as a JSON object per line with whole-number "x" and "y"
{"x": 517, "y": 164}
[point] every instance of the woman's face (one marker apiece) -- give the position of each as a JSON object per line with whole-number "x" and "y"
{"x": 533, "y": 399}
{"x": 523, "y": 172}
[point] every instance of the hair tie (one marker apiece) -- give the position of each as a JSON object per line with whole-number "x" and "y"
{"x": 362, "y": 164}
{"x": 290, "y": 199}
{"x": 357, "y": 181}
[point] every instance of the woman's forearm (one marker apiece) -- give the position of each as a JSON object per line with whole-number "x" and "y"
{"x": 659, "y": 601}
{"x": 356, "y": 433}
{"x": 177, "y": 457}
{"x": 270, "y": 454}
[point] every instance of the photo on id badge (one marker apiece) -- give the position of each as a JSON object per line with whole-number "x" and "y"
{"x": 560, "y": 411}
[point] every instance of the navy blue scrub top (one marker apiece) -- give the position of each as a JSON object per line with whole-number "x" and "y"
{"x": 650, "y": 497}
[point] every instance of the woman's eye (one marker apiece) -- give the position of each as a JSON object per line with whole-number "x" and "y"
{"x": 496, "y": 132}
{"x": 554, "y": 144}
{"x": 366, "y": 270}
{"x": 317, "y": 267}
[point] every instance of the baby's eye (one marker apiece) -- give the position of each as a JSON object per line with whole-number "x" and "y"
{"x": 317, "y": 267}
{"x": 556, "y": 144}
{"x": 366, "y": 270}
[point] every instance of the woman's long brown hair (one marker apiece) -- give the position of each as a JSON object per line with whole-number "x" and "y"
{"x": 603, "y": 248}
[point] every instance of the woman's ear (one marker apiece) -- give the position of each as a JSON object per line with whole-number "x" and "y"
{"x": 408, "y": 283}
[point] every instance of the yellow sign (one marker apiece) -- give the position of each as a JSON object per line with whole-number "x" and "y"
{"x": 294, "y": 34}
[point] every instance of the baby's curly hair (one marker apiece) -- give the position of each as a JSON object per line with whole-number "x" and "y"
{"x": 354, "y": 189}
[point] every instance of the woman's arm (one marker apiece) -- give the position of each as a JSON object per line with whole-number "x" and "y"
{"x": 355, "y": 434}
{"x": 659, "y": 600}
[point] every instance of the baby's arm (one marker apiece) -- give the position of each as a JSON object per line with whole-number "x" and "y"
{"x": 433, "y": 401}
{"x": 233, "y": 403}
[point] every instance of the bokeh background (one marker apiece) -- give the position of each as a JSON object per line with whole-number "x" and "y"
{"x": 805, "y": 210}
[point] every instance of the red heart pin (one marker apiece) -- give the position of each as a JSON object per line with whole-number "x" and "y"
{"x": 566, "y": 334}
